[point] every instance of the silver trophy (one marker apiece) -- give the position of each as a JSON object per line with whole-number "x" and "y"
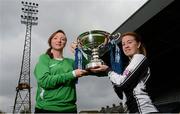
{"x": 93, "y": 43}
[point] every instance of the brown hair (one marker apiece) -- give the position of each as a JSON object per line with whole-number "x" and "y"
{"x": 137, "y": 39}
{"x": 49, "y": 42}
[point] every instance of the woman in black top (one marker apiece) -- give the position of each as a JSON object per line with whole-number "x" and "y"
{"x": 133, "y": 80}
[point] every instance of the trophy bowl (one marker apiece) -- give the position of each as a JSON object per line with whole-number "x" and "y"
{"x": 93, "y": 43}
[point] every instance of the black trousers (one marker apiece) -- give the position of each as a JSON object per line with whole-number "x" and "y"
{"x": 37, "y": 110}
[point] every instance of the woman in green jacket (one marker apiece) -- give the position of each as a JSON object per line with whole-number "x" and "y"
{"x": 56, "y": 78}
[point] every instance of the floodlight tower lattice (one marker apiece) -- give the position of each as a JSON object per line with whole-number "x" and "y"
{"x": 23, "y": 90}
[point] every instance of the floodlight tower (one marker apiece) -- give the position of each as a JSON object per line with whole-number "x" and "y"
{"x": 22, "y": 101}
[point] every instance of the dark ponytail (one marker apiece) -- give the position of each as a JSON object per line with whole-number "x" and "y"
{"x": 49, "y": 53}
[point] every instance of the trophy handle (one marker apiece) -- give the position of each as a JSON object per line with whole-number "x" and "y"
{"x": 115, "y": 37}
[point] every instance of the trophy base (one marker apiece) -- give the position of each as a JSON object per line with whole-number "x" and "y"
{"x": 94, "y": 64}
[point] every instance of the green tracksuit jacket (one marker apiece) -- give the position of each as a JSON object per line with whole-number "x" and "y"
{"x": 56, "y": 84}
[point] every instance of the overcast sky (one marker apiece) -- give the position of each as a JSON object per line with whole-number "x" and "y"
{"x": 74, "y": 17}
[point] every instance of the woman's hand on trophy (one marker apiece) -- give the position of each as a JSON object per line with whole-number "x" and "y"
{"x": 73, "y": 46}
{"x": 80, "y": 72}
{"x": 100, "y": 68}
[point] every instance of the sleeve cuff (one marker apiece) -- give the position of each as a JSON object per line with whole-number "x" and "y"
{"x": 108, "y": 71}
{"x": 74, "y": 74}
